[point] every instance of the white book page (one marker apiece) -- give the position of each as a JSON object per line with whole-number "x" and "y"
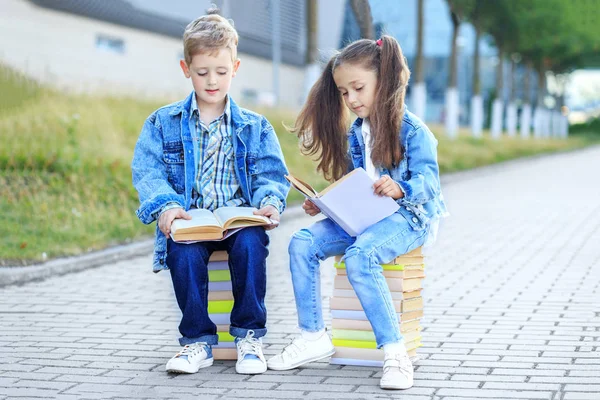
{"x": 200, "y": 217}
{"x": 354, "y": 202}
{"x": 245, "y": 214}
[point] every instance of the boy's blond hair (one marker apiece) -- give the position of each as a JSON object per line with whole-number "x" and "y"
{"x": 208, "y": 34}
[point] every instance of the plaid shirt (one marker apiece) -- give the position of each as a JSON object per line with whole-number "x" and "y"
{"x": 224, "y": 189}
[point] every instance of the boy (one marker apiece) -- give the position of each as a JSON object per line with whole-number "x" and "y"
{"x": 206, "y": 152}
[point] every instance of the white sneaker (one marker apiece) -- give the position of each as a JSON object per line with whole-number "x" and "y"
{"x": 191, "y": 358}
{"x": 302, "y": 351}
{"x": 250, "y": 356}
{"x": 397, "y": 371}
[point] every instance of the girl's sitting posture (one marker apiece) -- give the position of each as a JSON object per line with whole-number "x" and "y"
{"x": 399, "y": 153}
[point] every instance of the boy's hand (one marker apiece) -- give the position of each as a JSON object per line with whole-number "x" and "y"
{"x": 270, "y": 212}
{"x": 310, "y": 208}
{"x": 386, "y": 186}
{"x": 166, "y": 219}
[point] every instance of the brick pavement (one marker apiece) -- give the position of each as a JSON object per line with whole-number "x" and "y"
{"x": 512, "y": 309}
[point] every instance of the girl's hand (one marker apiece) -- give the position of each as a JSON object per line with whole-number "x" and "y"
{"x": 310, "y": 208}
{"x": 386, "y": 186}
{"x": 166, "y": 219}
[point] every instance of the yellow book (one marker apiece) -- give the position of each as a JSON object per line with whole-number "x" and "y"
{"x": 394, "y": 271}
{"x": 220, "y": 306}
{"x": 225, "y": 337}
{"x": 340, "y": 265}
{"x": 219, "y": 275}
{"x": 215, "y": 225}
{"x": 369, "y": 336}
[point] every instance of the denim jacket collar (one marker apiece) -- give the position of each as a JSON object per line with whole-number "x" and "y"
{"x": 239, "y": 121}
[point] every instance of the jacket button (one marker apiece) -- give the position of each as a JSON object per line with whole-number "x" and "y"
{"x": 161, "y": 262}
{"x": 415, "y": 219}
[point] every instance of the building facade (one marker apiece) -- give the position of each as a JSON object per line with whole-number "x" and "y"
{"x": 134, "y": 47}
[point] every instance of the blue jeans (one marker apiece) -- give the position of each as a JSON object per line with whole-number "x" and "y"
{"x": 247, "y": 264}
{"x": 363, "y": 255}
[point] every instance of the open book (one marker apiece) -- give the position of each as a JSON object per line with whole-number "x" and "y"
{"x": 350, "y": 201}
{"x": 216, "y": 225}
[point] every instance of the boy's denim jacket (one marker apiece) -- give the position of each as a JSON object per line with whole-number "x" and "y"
{"x": 417, "y": 174}
{"x": 163, "y": 167}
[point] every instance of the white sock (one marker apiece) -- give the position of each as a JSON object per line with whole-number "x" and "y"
{"x": 394, "y": 348}
{"x": 311, "y": 335}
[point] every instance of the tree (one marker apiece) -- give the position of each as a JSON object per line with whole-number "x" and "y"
{"x": 419, "y": 92}
{"x": 458, "y": 10}
{"x": 313, "y": 69}
{"x": 362, "y": 12}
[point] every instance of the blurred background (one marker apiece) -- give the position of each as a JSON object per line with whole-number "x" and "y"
{"x": 494, "y": 79}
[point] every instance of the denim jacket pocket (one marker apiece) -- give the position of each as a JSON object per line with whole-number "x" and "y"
{"x": 173, "y": 156}
{"x": 251, "y": 164}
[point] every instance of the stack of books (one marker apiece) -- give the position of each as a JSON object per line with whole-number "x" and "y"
{"x": 220, "y": 304}
{"x": 352, "y": 333}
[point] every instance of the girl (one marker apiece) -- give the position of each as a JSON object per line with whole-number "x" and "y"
{"x": 399, "y": 153}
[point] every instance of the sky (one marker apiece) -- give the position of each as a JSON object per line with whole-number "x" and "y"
{"x": 584, "y": 87}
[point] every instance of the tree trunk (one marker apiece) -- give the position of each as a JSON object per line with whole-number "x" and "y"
{"x": 419, "y": 67}
{"x": 476, "y": 99}
{"x": 452, "y": 76}
{"x": 312, "y": 51}
{"x": 362, "y": 13}
{"x": 419, "y": 90}
{"x": 452, "y": 96}
{"x": 526, "y": 111}
{"x": 313, "y": 69}
{"x": 498, "y": 105}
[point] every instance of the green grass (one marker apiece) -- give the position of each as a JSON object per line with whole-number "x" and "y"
{"x": 65, "y": 180}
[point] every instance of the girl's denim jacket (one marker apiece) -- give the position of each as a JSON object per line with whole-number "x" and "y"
{"x": 163, "y": 167}
{"x": 417, "y": 174}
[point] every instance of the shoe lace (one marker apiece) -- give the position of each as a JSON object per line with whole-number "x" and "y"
{"x": 249, "y": 345}
{"x": 191, "y": 350}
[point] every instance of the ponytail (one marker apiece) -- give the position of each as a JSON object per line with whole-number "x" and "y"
{"x": 321, "y": 125}
{"x": 388, "y": 110}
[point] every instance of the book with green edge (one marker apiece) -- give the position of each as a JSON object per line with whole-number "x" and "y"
{"x": 386, "y": 267}
{"x": 225, "y": 337}
{"x": 369, "y": 336}
{"x": 220, "y": 275}
{"x": 358, "y": 344}
{"x": 220, "y": 306}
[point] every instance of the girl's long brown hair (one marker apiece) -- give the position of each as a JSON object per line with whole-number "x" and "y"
{"x": 322, "y": 122}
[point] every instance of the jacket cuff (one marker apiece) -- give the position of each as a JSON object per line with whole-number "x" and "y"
{"x": 272, "y": 201}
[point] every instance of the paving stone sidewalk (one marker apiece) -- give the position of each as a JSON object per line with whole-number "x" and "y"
{"x": 512, "y": 309}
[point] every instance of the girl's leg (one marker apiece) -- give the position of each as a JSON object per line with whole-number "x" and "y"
{"x": 308, "y": 247}
{"x": 379, "y": 244}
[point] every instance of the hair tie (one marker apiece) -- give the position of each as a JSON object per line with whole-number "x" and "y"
{"x": 379, "y": 42}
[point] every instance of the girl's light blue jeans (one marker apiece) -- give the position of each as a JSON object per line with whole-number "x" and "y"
{"x": 380, "y": 243}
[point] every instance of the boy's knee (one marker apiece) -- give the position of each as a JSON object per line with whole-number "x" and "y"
{"x": 250, "y": 239}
